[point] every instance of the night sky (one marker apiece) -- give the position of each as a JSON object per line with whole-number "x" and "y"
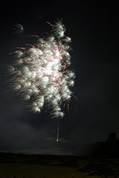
{"x": 94, "y": 108}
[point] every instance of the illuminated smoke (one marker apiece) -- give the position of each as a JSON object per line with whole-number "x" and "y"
{"x": 42, "y": 74}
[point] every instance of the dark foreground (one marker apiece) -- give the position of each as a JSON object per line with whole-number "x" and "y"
{"x": 47, "y": 166}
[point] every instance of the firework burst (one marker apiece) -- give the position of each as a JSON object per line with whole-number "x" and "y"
{"x": 42, "y": 74}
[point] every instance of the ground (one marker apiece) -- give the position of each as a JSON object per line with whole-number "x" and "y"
{"x": 21, "y": 166}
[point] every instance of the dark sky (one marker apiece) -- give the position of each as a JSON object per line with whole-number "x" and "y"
{"x": 94, "y": 109}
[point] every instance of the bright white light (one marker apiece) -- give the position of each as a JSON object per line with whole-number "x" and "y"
{"x": 41, "y": 72}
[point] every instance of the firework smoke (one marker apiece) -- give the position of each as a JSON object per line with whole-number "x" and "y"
{"x": 42, "y": 74}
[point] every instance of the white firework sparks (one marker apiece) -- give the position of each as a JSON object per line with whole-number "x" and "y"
{"x": 41, "y": 72}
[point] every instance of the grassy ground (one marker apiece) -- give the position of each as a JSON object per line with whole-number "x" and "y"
{"x": 38, "y": 171}
{"x": 57, "y": 167}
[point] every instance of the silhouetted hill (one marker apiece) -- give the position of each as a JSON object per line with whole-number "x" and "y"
{"x": 109, "y": 148}
{"x": 63, "y": 160}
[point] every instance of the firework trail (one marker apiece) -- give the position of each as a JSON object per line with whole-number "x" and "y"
{"x": 41, "y": 72}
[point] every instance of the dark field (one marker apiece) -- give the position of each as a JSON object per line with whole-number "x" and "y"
{"x": 47, "y": 166}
